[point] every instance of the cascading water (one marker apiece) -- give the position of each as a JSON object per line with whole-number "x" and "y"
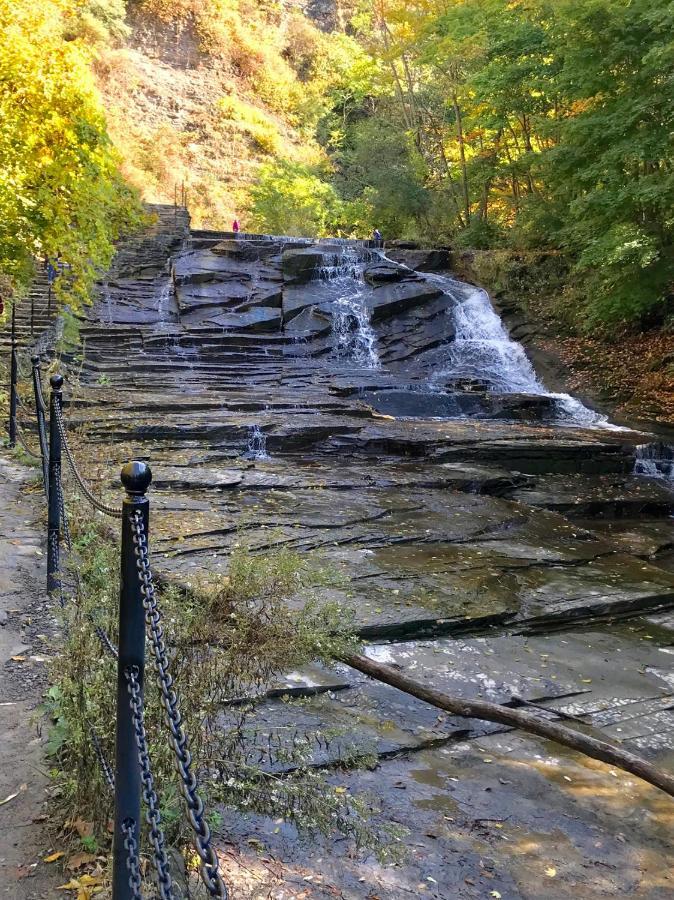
{"x": 484, "y": 351}
{"x": 655, "y": 460}
{"x": 257, "y": 444}
{"x": 163, "y": 295}
{"x": 353, "y": 335}
{"x": 108, "y": 302}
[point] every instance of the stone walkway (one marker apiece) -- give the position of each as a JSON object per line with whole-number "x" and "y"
{"x": 25, "y": 623}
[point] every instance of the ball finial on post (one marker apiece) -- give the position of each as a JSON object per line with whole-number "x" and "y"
{"x": 56, "y": 382}
{"x": 136, "y": 477}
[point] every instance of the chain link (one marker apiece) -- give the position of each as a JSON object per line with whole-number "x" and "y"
{"x": 95, "y": 502}
{"x": 149, "y": 794}
{"x": 40, "y": 395}
{"x": 64, "y": 517}
{"x": 104, "y": 638}
{"x": 132, "y": 863}
{"x": 106, "y": 768}
{"x": 20, "y": 438}
{"x": 188, "y": 782}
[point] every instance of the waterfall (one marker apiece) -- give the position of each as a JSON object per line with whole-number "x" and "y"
{"x": 163, "y": 295}
{"x": 484, "y": 351}
{"x": 257, "y": 444}
{"x": 655, "y": 460}
{"x": 353, "y": 335}
{"x": 108, "y": 301}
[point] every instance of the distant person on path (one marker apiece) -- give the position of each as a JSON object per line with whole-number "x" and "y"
{"x": 236, "y": 228}
{"x": 377, "y": 238}
{"x": 52, "y": 272}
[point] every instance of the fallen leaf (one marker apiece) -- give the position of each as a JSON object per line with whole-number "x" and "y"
{"x": 7, "y": 799}
{"x": 551, "y": 871}
{"x": 54, "y": 856}
{"x": 495, "y": 894}
{"x": 18, "y": 658}
{"x": 84, "y": 829}
{"x": 80, "y": 859}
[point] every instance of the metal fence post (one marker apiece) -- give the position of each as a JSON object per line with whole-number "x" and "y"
{"x": 54, "y": 508}
{"x": 13, "y": 378}
{"x": 136, "y": 477}
{"x": 41, "y": 422}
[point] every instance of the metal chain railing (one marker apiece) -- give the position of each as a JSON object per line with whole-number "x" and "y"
{"x": 40, "y": 395}
{"x": 95, "y": 502}
{"x": 64, "y": 517}
{"x": 153, "y": 818}
{"x": 188, "y": 783}
{"x": 104, "y": 638}
{"x": 132, "y": 861}
{"x": 138, "y": 601}
{"x": 24, "y": 446}
{"x": 106, "y": 768}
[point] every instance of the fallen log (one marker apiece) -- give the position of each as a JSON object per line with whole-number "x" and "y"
{"x": 515, "y": 718}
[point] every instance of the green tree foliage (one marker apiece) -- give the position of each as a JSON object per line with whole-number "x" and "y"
{"x": 290, "y": 198}
{"x": 544, "y": 123}
{"x": 60, "y": 190}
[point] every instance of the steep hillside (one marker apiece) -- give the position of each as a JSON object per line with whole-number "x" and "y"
{"x": 204, "y": 92}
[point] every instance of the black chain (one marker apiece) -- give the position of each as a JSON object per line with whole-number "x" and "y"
{"x": 40, "y": 395}
{"x": 64, "y": 517}
{"x": 149, "y": 794}
{"x": 106, "y": 768}
{"x": 53, "y": 550}
{"x": 104, "y": 638}
{"x": 21, "y": 439}
{"x": 132, "y": 863}
{"x": 95, "y": 502}
{"x": 188, "y": 782}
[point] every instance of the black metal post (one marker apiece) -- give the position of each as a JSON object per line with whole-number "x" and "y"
{"x": 41, "y": 422}
{"x": 13, "y": 377}
{"x": 136, "y": 477}
{"x": 54, "y": 507}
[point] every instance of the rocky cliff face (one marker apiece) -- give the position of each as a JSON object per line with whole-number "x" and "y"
{"x": 183, "y": 111}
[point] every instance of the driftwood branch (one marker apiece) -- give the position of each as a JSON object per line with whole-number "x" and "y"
{"x": 516, "y": 718}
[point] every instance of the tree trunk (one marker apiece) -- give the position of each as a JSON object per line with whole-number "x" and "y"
{"x": 515, "y": 718}
{"x": 462, "y": 153}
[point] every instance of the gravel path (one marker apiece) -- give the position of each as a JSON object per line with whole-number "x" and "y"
{"x": 26, "y": 633}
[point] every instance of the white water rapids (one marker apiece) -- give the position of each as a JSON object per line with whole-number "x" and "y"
{"x": 353, "y": 335}
{"x": 484, "y": 351}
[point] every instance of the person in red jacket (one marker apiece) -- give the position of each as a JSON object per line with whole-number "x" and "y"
{"x": 236, "y": 228}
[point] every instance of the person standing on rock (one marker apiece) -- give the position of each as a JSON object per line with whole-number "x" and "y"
{"x": 377, "y": 238}
{"x": 236, "y": 228}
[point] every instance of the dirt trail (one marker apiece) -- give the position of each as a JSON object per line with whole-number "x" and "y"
{"x": 25, "y": 626}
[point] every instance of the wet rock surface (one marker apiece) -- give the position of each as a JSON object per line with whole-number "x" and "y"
{"x": 486, "y": 540}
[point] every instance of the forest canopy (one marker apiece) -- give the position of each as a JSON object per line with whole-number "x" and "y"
{"x": 61, "y": 194}
{"x": 544, "y": 125}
